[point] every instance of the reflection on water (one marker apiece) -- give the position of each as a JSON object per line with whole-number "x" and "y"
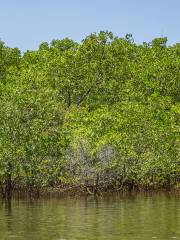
{"x": 129, "y": 218}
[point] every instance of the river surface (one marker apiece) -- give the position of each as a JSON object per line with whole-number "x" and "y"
{"x": 112, "y": 218}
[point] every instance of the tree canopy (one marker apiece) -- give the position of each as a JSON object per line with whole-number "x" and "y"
{"x": 104, "y": 111}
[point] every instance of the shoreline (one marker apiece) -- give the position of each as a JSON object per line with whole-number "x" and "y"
{"x": 83, "y": 191}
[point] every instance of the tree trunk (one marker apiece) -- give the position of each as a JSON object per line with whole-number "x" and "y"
{"x": 8, "y": 186}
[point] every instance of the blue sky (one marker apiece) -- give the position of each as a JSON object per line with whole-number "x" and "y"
{"x": 26, "y": 23}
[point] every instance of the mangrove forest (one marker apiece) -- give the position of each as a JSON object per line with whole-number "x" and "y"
{"x": 100, "y": 114}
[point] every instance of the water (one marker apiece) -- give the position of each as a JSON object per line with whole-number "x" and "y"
{"x": 114, "y": 218}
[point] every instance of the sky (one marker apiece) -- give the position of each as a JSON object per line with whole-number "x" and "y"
{"x": 27, "y": 23}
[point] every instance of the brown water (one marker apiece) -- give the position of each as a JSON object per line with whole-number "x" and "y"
{"x": 115, "y": 218}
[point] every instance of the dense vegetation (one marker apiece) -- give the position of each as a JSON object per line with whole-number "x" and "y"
{"x": 102, "y": 112}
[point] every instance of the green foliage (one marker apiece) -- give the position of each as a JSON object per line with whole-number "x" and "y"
{"x": 104, "y": 111}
